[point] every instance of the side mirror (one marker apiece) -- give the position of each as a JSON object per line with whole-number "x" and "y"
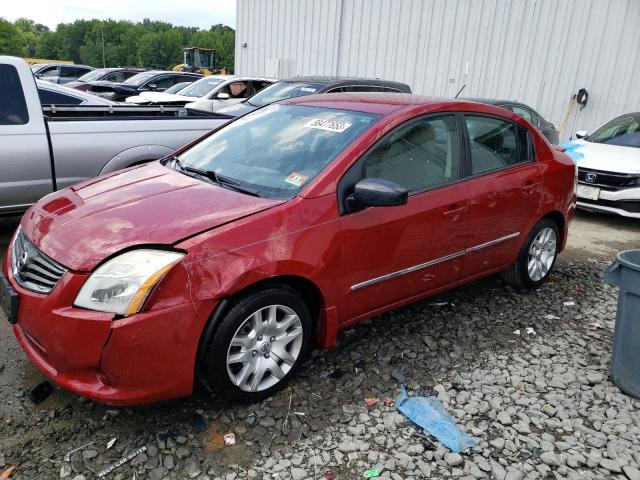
{"x": 222, "y": 96}
{"x": 152, "y": 86}
{"x": 582, "y": 134}
{"x": 376, "y": 192}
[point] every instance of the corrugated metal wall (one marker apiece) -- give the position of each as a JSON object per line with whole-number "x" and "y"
{"x": 539, "y": 52}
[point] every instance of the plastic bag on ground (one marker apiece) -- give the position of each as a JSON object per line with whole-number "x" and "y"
{"x": 430, "y": 414}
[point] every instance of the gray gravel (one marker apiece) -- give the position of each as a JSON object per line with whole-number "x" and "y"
{"x": 540, "y": 403}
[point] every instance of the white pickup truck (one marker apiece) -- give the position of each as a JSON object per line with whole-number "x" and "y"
{"x": 45, "y": 149}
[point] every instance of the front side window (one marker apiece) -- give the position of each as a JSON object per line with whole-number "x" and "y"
{"x": 495, "y": 144}
{"x": 13, "y": 108}
{"x": 114, "y": 77}
{"x": 418, "y": 156}
{"x": 48, "y": 72}
{"x": 236, "y": 89}
{"x": 283, "y": 90}
{"x": 162, "y": 82}
{"x": 278, "y": 150}
{"x": 623, "y": 130}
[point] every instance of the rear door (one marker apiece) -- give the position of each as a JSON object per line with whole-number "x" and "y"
{"x": 392, "y": 254}
{"x": 25, "y": 169}
{"x": 505, "y": 188}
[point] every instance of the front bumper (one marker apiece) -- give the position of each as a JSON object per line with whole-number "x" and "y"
{"x": 625, "y": 202}
{"x": 139, "y": 359}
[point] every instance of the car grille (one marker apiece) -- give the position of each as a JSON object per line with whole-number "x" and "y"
{"x": 32, "y": 269}
{"x": 608, "y": 180}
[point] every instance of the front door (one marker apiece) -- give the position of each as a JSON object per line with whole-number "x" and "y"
{"x": 392, "y": 254}
{"x": 505, "y": 190}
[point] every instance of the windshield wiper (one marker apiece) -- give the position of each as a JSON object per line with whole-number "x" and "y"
{"x": 216, "y": 178}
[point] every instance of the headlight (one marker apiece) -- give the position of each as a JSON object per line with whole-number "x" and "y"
{"x": 123, "y": 283}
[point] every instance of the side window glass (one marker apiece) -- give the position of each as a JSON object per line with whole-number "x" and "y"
{"x": 418, "y": 156}
{"x": 495, "y": 144}
{"x": 238, "y": 89}
{"x": 13, "y": 108}
{"x": 116, "y": 77}
{"x": 259, "y": 85}
{"x": 363, "y": 88}
{"x": 47, "y": 97}
{"x": 163, "y": 82}
{"x": 49, "y": 72}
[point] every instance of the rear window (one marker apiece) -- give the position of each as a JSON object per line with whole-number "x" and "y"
{"x": 47, "y": 97}
{"x": 13, "y": 108}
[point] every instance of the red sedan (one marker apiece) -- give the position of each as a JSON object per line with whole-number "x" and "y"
{"x": 229, "y": 260}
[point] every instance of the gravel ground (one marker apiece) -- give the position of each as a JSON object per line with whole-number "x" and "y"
{"x": 538, "y": 401}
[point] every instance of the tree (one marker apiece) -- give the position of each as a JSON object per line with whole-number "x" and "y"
{"x": 10, "y": 39}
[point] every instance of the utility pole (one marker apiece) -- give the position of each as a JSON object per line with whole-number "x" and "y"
{"x": 104, "y": 63}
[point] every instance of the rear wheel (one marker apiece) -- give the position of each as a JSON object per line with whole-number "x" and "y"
{"x": 259, "y": 345}
{"x": 537, "y": 258}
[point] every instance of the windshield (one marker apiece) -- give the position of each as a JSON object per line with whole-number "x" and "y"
{"x": 140, "y": 78}
{"x": 92, "y": 75}
{"x": 281, "y": 91}
{"x": 624, "y": 131}
{"x": 278, "y": 150}
{"x": 201, "y": 87}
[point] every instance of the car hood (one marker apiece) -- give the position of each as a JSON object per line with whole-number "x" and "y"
{"x": 159, "y": 97}
{"x": 601, "y": 156}
{"x": 238, "y": 109}
{"x": 82, "y": 225}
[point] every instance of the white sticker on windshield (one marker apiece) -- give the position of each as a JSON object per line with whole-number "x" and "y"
{"x": 329, "y": 125}
{"x": 308, "y": 89}
{"x": 296, "y": 179}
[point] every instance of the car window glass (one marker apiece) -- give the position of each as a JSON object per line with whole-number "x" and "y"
{"x": 13, "y": 108}
{"x": 115, "y": 77}
{"x": 162, "y": 82}
{"x": 361, "y": 88}
{"x": 523, "y": 112}
{"x": 259, "y": 85}
{"x": 421, "y": 155}
{"x": 624, "y": 131}
{"x": 495, "y": 143}
{"x": 48, "y": 72}
{"x": 47, "y": 97}
{"x": 236, "y": 89}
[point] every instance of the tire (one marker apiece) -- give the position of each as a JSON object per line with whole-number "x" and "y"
{"x": 520, "y": 275}
{"x": 254, "y": 353}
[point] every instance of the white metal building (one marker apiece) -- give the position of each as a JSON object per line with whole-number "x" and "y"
{"x": 539, "y": 52}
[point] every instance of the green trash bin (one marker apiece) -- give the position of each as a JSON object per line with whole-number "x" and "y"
{"x": 624, "y": 273}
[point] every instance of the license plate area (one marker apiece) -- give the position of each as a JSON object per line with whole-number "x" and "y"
{"x": 588, "y": 192}
{"x": 9, "y": 300}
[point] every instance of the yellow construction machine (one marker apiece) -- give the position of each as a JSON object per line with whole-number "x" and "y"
{"x": 198, "y": 60}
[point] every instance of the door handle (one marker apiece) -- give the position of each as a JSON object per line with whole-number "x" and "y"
{"x": 454, "y": 210}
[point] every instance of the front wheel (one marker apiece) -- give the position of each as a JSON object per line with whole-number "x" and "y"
{"x": 537, "y": 258}
{"x": 259, "y": 344}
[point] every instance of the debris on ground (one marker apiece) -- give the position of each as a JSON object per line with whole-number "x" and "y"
{"x": 110, "y": 468}
{"x": 40, "y": 392}
{"x": 569, "y": 303}
{"x": 229, "y": 439}
{"x": 111, "y": 442}
{"x": 67, "y": 457}
{"x": 337, "y": 374}
{"x": 9, "y": 471}
{"x": 430, "y": 414}
{"x": 371, "y": 473}
{"x": 372, "y": 402}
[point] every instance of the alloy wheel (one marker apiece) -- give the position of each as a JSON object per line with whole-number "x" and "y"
{"x": 542, "y": 254}
{"x": 264, "y": 348}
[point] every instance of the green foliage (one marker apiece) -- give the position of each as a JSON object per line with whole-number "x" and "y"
{"x": 150, "y": 44}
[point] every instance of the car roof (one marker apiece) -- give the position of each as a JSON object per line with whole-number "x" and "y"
{"x": 369, "y": 102}
{"x": 493, "y": 101}
{"x": 337, "y": 81}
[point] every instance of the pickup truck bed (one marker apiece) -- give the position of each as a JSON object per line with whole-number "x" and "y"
{"x": 42, "y": 151}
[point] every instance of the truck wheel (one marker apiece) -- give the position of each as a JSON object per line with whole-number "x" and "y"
{"x": 537, "y": 257}
{"x": 259, "y": 344}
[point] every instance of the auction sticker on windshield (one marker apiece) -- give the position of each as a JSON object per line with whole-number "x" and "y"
{"x": 329, "y": 125}
{"x": 296, "y": 179}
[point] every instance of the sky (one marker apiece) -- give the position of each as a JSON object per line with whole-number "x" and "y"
{"x": 189, "y": 13}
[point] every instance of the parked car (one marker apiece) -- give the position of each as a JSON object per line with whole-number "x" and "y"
{"x": 301, "y": 86}
{"x": 59, "y": 72}
{"x": 177, "y": 87}
{"x": 41, "y": 153}
{"x": 155, "y": 80}
{"x": 53, "y": 94}
{"x": 545, "y": 126}
{"x": 212, "y": 93}
{"x": 609, "y": 166}
{"x": 232, "y": 257}
{"x": 117, "y": 74}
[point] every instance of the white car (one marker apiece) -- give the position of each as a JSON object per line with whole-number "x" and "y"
{"x": 232, "y": 91}
{"x": 218, "y": 90}
{"x": 609, "y": 166}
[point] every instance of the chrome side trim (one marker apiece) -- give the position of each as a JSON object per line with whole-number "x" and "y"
{"x": 492, "y": 242}
{"x": 430, "y": 263}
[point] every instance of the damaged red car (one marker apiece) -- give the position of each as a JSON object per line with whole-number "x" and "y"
{"x": 228, "y": 261}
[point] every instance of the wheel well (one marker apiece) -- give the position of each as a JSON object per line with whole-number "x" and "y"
{"x": 557, "y": 217}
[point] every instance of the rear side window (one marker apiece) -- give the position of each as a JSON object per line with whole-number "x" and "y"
{"x": 418, "y": 156}
{"x": 116, "y": 77}
{"x": 13, "y": 108}
{"x": 495, "y": 144}
{"x": 47, "y": 97}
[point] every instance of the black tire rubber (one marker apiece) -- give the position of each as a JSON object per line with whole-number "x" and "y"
{"x": 518, "y": 275}
{"x": 215, "y": 361}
